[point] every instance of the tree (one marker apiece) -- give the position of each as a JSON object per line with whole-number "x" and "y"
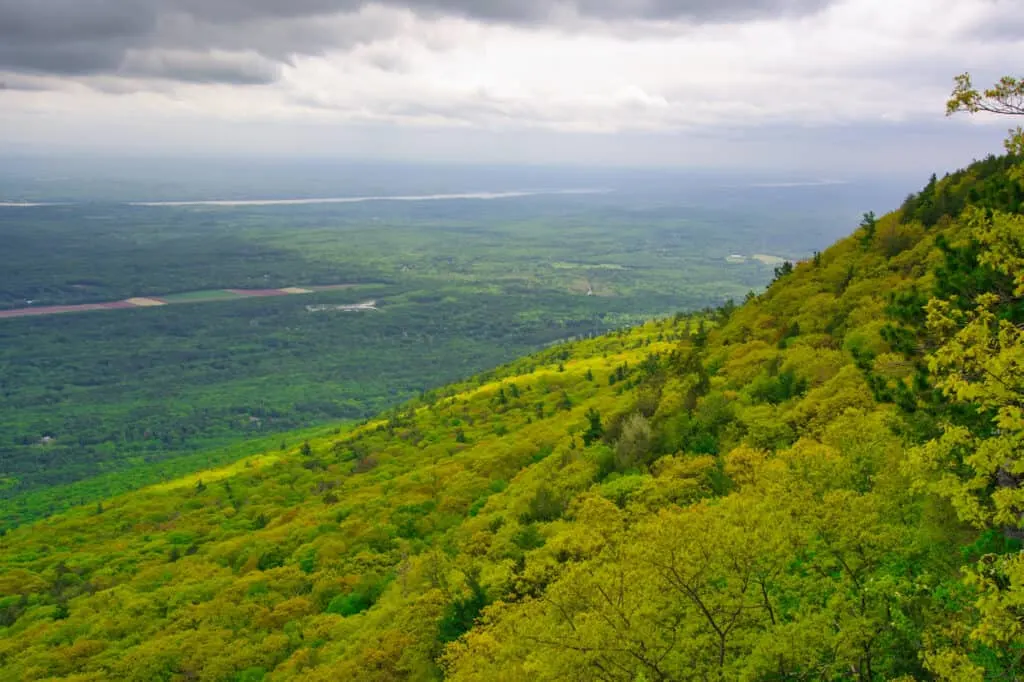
{"x": 783, "y": 270}
{"x": 565, "y": 402}
{"x": 991, "y": 382}
{"x": 461, "y": 614}
{"x": 1005, "y": 98}
{"x": 870, "y": 225}
{"x": 594, "y": 428}
{"x": 979, "y": 365}
{"x": 634, "y": 445}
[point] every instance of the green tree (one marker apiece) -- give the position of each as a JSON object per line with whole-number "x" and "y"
{"x": 635, "y": 443}
{"x": 463, "y": 611}
{"x": 594, "y": 429}
{"x": 978, "y": 365}
{"x": 869, "y": 225}
{"x": 783, "y": 270}
{"x": 1005, "y": 97}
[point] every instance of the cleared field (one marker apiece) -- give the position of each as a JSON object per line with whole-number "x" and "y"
{"x": 565, "y": 265}
{"x": 196, "y": 296}
{"x": 185, "y": 297}
{"x": 55, "y": 309}
{"x": 333, "y": 287}
{"x": 264, "y": 292}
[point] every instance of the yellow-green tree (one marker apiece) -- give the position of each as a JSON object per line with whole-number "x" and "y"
{"x": 1006, "y": 98}
{"x": 979, "y": 362}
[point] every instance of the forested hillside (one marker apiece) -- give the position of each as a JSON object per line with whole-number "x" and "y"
{"x": 94, "y": 405}
{"x": 822, "y": 483}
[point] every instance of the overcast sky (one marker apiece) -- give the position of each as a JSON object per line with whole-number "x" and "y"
{"x": 822, "y": 86}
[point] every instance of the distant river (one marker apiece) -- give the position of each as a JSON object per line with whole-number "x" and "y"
{"x": 355, "y": 200}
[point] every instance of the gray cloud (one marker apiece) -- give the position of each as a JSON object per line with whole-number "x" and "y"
{"x": 79, "y": 37}
{"x": 1007, "y": 24}
{"x": 71, "y": 21}
{"x": 197, "y": 67}
{"x": 61, "y": 58}
{"x": 278, "y": 38}
{"x": 23, "y": 84}
{"x": 70, "y": 36}
{"x": 544, "y": 10}
{"x": 647, "y": 81}
{"x": 388, "y": 60}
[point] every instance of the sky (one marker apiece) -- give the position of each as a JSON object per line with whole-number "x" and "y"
{"x": 821, "y": 87}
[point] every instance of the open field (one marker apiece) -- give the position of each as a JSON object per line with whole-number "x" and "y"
{"x": 200, "y": 296}
{"x": 153, "y": 301}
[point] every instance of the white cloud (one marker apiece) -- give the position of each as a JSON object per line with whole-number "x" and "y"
{"x": 860, "y": 60}
{"x": 854, "y": 63}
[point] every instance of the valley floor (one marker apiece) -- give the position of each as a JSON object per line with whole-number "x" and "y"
{"x": 184, "y": 297}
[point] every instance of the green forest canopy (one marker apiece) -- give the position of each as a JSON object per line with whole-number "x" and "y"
{"x": 822, "y": 483}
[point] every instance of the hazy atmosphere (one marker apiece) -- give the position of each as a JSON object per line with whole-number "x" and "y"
{"x": 792, "y": 85}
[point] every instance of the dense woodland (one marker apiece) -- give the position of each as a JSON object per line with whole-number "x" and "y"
{"x": 99, "y": 403}
{"x": 821, "y": 483}
{"x": 131, "y": 392}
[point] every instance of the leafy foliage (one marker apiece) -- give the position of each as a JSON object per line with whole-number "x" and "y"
{"x": 801, "y": 487}
{"x": 99, "y": 403}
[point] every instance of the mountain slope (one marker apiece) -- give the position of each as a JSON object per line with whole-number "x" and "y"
{"x": 819, "y": 484}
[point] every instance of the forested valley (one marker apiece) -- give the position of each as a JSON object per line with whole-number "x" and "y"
{"x": 820, "y": 483}
{"x": 97, "y": 403}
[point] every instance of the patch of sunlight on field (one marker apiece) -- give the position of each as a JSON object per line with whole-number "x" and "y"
{"x": 212, "y": 475}
{"x": 565, "y": 265}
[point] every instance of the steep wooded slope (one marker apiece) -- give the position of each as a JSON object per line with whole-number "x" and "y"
{"x": 818, "y": 484}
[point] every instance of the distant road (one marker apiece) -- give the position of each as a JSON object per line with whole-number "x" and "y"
{"x": 171, "y": 299}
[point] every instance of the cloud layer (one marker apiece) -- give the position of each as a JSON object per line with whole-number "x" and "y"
{"x": 91, "y": 36}
{"x": 674, "y": 67}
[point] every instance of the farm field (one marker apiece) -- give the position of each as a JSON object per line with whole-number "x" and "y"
{"x": 153, "y": 301}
